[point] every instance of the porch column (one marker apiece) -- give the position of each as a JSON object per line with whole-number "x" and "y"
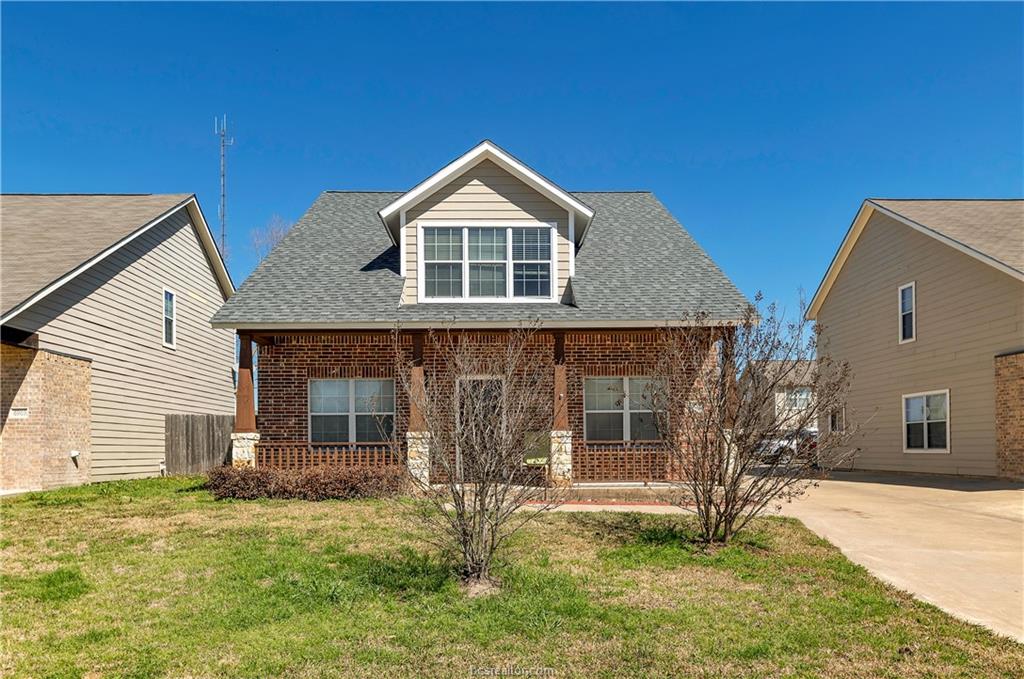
{"x": 417, "y": 439}
{"x": 244, "y": 437}
{"x": 561, "y": 433}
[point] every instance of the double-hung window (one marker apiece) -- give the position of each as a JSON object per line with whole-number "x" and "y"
{"x": 926, "y": 422}
{"x": 351, "y": 411}
{"x": 908, "y": 312}
{"x": 798, "y": 398}
{"x": 488, "y": 262}
{"x": 619, "y": 409}
{"x": 170, "y": 316}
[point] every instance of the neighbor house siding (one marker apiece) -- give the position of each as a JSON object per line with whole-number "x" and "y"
{"x": 967, "y": 312}
{"x": 112, "y": 314}
{"x": 486, "y": 191}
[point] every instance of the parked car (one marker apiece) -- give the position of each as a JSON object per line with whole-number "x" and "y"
{"x": 799, "y": 445}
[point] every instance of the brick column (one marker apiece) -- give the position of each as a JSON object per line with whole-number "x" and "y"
{"x": 417, "y": 439}
{"x": 244, "y": 437}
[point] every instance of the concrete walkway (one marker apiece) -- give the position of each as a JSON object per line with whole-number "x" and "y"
{"x": 955, "y": 543}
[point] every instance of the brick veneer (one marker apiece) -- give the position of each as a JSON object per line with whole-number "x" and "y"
{"x": 1009, "y": 374}
{"x": 35, "y": 453}
{"x": 286, "y": 366}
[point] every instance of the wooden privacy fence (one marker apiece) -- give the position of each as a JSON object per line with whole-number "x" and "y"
{"x": 196, "y": 443}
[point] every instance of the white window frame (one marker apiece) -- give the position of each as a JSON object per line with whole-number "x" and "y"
{"x": 913, "y": 312}
{"x": 351, "y": 414}
{"x": 842, "y": 420}
{"x": 174, "y": 318}
{"x": 949, "y": 428}
{"x": 627, "y": 407}
{"x": 465, "y": 225}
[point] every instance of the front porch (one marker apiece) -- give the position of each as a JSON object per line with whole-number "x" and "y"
{"x": 309, "y": 386}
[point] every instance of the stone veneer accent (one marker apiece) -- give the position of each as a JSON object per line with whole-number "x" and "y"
{"x": 35, "y": 452}
{"x": 243, "y": 448}
{"x": 1009, "y": 376}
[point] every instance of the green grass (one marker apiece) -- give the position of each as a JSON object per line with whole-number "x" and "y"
{"x": 154, "y": 578}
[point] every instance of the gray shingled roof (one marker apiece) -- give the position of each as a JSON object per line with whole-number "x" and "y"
{"x": 337, "y": 266}
{"x": 45, "y": 236}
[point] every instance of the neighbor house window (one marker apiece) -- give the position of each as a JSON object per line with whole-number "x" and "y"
{"x": 837, "y": 420}
{"x": 170, "y": 318}
{"x": 798, "y": 398}
{"x": 619, "y": 409}
{"x": 908, "y": 313}
{"x": 488, "y": 262}
{"x": 351, "y": 411}
{"x": 926, "y": 422}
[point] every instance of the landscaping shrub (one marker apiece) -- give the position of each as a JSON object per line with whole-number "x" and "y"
{"x": 314, "y": 483}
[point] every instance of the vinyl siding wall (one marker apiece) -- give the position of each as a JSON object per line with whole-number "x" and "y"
{"x": 967, "y": 312}
{"x": 486, "y": 191}
{"x": 112, "y": 314}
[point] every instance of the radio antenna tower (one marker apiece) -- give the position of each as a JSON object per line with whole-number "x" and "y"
{"x": 220, "y": 128}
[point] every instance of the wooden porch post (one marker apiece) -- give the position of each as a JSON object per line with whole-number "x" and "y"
{"x": 417, "y": 438}
{"x": 244, "y": 438}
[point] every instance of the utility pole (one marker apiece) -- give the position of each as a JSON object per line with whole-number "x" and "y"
{"x": 220, "y": 128}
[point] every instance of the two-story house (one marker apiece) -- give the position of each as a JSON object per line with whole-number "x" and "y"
{"x": 106, "y": 302}
{"x": 925, "y": 300}
{"x": 484, "y": 245}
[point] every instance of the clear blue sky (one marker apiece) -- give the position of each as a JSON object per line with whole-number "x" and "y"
{"x": 760, "y": 126}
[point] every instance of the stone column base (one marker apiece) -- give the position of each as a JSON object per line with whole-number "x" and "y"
{"x": 561, "y": 458}
{"x": 243, "y": 449}
{"x": 418, "y": 456}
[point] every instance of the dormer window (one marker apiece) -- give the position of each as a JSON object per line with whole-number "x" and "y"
{"x": 510, "y": 262}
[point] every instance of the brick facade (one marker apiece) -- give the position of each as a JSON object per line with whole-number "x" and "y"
{"x": 45, "y": 405}
{"x": 286, "y": 365}
{"x": 1009, "y": 374}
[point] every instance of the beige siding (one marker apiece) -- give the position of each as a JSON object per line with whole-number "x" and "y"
{"x": 112, "y": 314}
{"x": 486, "y": 191}
{"x": 967, "y": 312}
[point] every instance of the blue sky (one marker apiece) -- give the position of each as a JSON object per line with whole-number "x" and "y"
{"x": 760, "y": 126}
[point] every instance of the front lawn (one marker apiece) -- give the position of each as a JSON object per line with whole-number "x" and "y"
{"x": 155, "y": 578}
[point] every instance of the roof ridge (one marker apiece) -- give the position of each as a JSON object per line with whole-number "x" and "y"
{"x": 111, "y": 195}
{"x": 959, "y": 200}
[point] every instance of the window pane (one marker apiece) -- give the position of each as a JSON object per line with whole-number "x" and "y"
{"x": 643, "y": 427}
{"x": 168, "y": 304}
{"x": 531, "y": 280}
{"x": 534, "y": 243}
{"x": 936, "y": 407}
{"x": 375, "y": 396}
{"x": 442, "y": 244}
{"x": 443, "y": 280}
{"x": 370, "y": 428}
{"x": 907, "y": 300}
{"x": 603, "y": 393}
{"x": 486, "y": 244}
{"x": 915, "y": 409}
{"x": 328, "y": 396}
{"x": 936, "y": 434}
{"x": 604, "y": 426}
{"x": 644, "y": 392}
{"x": 169, "y": 330}
{"x": 329, "y": 428}
{"x": 487, "y": 280}
{"x": 915, "y": 435}
{"x": 907, "y": 327}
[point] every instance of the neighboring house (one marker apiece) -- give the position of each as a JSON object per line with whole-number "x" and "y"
{"x": 480, "y": 247}
{"x": 106, "y": 301}
{"x": 925, "y": 300}
{"x": 793, "y": 383}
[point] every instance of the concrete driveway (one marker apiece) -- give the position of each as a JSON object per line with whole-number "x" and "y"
{"x": 955, "y": 543}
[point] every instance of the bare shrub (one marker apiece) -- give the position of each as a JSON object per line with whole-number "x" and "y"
{"x": 735, "y": 454}
{"x": 487, "y": 403}
{"x": 314, "y": 483}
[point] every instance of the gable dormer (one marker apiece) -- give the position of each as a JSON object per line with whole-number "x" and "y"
{"x": 486, "y": 228}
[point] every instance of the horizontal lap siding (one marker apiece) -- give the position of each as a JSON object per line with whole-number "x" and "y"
{"x": 112, "y": 314}
{"x": 967, "y": 312}
{"x": 485, "y": 192}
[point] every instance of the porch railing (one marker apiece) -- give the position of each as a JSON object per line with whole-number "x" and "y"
{"x": 620, "y": 461}
{"x": 302, "y": 454}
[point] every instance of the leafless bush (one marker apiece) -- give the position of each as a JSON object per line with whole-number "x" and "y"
{"x": 487, "y": 405}
{"x": 734, "y": 452}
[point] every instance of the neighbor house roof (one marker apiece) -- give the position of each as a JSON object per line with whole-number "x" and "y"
{"x": 991, "y": 231}
{"x": 338, "y": 268}
{"x": 47, "y": 239}
{"x": 790, "y": 372}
